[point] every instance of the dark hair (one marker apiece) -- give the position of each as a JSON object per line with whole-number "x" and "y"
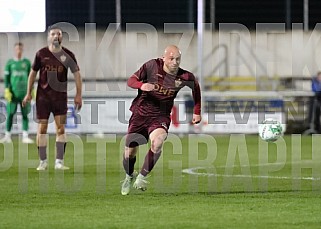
{"x": 51, "y": 27}
{"x": 319, "y": 73}
{"x": 18, "y": 44}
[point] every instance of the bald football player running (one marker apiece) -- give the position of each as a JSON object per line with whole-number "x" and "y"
{"x": 53, "y": 63}
{"x": 158, "y": 81}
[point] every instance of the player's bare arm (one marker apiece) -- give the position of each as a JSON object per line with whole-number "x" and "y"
{"x": 78, "y": 97}
{"x": 31, "y": 80}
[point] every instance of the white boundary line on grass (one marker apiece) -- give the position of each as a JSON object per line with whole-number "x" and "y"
{"x": 191, "y": 171}
{"x": 269, "y": 164}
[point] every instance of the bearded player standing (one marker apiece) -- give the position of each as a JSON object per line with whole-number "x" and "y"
{"x": 158, "y": 81}
{"x": 53, "y": 63}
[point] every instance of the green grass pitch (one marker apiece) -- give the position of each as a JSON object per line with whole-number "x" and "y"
{"x": 201, "y": 181}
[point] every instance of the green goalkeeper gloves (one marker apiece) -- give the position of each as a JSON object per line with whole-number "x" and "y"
{"x": 7, "y": 94}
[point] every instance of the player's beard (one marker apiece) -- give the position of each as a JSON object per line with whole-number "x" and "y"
{"x": 56, "y": 43}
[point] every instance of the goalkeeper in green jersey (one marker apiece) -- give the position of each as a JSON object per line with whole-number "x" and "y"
{"x": 16, "y": 81}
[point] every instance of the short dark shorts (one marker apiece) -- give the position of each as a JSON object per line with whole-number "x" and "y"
{"x": 140, "y": 127}
{"x": 45, "y": 106}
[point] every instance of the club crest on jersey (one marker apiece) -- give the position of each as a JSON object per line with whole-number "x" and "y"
{"x": 63, "y": 58}
{"x": 23, "y": 65}
{"x": 178, "y": 82}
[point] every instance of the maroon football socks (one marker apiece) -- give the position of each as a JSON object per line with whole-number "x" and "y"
{"x": 42, "y": 152}
{"x": 150, "y": 160}
{"x": 129, "y": 164}
{"x": 60, "y": 147}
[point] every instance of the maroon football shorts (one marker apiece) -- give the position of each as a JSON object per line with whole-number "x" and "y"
{"x": 140, "y": 127}
{"x": 45, "y": 106}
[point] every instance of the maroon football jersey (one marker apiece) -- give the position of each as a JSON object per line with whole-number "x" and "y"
{"x": 53, "y": 71}
{"x": 161, "y": 100}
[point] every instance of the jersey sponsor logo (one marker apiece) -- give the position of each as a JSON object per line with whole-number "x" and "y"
{"x": 163, "y": 90}
{"x": 63, "y": 58}
{"x": 54, "y": 68}
{"x": 46, "y": 58}
{"x": 16, "y": 73}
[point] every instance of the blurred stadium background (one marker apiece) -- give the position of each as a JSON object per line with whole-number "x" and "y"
{"x": 242, "y": 55}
